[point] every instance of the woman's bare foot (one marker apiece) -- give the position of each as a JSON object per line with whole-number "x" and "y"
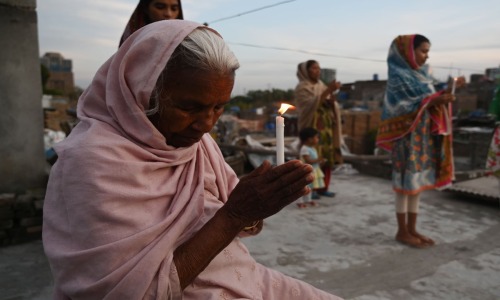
{"x": 411, "y": 241}
{"x": 423, "y": 238}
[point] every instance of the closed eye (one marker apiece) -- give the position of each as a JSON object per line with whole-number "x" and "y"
{"x": 191, "y": 107}
{"x": 219, "y": 107}
{"x": 160, "y": 5}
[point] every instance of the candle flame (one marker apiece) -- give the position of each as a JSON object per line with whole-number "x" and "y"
{"x": 284, "y": 108}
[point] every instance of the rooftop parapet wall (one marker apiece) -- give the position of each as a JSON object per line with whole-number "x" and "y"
{"x": 22, "y": 163}
{"x": 26, "y": 4}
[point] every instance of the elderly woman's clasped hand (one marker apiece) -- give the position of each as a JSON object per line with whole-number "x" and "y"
{"x": 268, "y": 189}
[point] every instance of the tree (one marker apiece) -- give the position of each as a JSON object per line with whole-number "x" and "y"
{"x": 77, "y": 92}
{"x": 45, "y": 75}
{"x": 260, "y": 98}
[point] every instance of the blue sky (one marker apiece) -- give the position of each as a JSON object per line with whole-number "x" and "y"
{"x": 350, "y": 36}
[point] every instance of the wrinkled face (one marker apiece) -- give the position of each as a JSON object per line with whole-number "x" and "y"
{"x": 422, "y": 53}
{"x": 159, "y": 10}
{"x": 192, "y": 104}
{"x": 314, "y": 72}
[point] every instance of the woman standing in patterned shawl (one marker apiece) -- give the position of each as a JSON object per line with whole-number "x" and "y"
{"x": 416, "y": 129}
{"x": 149, "y": 11}
{"x": 318, "y": 108}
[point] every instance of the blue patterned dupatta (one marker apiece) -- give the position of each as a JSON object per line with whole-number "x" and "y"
{"x": 406, "y": 107}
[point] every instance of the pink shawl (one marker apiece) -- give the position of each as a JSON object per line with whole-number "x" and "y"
{"x": 120, "y": 200}
{"x": 112, "y": 215}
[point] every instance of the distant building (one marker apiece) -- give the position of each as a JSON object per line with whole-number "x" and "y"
{"x": 482, "y": 87}
{"x": 493, "y": 73}
{"x": 366, "y": 94}
{"x": 61, "y": 74}
{"x": 328, "y": 75}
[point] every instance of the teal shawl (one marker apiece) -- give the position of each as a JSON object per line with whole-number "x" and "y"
{"x": 408, "y": 94}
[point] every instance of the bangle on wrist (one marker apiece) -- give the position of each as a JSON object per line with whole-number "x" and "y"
{"x": 251, "y": 226}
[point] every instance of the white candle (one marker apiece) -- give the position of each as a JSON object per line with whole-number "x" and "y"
{"x": 280, "y": 134}
{"x": 280, "y": 140}
{"x": 453, "y": 86}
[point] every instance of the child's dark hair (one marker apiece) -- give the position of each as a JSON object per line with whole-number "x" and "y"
{"x": 306, "y": 133}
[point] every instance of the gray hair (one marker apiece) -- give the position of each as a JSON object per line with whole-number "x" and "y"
{"x": 203, "y": 50}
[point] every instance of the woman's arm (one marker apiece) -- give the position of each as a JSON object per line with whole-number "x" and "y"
{"x": 444, "y": 98}
{"x": 309, "y": 160}
{"x": 257, "y": 196}
{"x": 192, "y": 257}
{"x": 327, "y": 94}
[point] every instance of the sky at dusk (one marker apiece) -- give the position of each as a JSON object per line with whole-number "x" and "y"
{"x": 352, "y": 36}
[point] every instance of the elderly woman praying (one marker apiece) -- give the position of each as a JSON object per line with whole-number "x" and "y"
{"x": 141, "y": 204}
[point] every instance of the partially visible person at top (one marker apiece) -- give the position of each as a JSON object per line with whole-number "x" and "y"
{"x": 309, "y": 139}
{"x": 141, "y": 203}
{"x": 416, "y": 129}
{"x": 149, "y": 11}
{"x": 317, "y": 108}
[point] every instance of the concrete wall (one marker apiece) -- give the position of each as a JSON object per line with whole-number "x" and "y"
{"x": 22, "y": 160}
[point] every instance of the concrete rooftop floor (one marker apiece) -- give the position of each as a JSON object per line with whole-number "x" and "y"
{"x": 346, "y": 246}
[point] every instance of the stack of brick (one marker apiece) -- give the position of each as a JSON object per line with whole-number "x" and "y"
{"x": 21, "y": 217}
{"x": 52, "y": 120}
{"x": 251, "y": 125}
{"x": 359, "y": 128}
{"x": 57, "y": 115}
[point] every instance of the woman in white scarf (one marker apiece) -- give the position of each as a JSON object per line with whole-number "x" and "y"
{"x": 317, "y": 107}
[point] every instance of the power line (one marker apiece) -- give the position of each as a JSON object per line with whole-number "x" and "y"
{"x": 311, "y": 52}
{"x": 307, "y": 52}
{"x": 457, "y": 68}
{"x": 248, "y": 12}
{"x": 340, "y": 56}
